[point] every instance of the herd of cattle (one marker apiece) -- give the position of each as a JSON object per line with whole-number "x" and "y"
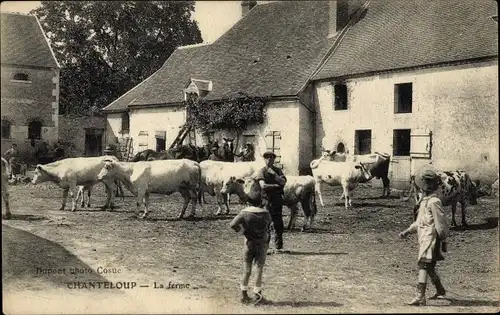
{"x": 165, "y": 174}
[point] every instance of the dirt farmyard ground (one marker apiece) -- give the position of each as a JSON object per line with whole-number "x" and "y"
{"x": 353, "y": 262}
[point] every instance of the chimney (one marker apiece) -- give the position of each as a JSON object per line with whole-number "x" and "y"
{"x": 340, "y": 13}
{"x": 247, "y": 5}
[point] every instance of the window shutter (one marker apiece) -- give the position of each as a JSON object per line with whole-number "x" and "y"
{"x": 269, "y": 141}
{"x": 143, "y": 140}
{"x": 421, "y": 144}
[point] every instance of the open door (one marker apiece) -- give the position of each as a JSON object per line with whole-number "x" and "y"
{"x": 93, "y": 141}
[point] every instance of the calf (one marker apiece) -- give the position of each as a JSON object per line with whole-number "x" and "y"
{"x": 298, "y": 189}
{"x": 213, "y": 174}
{"x": 161, "y": 177}
{"x": 81, "y": 190}
{"x": 455, "y": 186}
{"x": 72, "y": 172}
{"x": 6, "y": 173}
{"x": 345, "y": 174}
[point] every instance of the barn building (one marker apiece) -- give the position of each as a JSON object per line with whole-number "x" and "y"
{"x": 418, "y": 80}
{"x": 266, "y": 53}
{"x": 415, "y": 79}
{"x": 30, "y": 83}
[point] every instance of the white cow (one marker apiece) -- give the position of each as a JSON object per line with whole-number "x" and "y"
{"x": 377, "y": 163}
{"x": 72, "y": 172}
{"x": 298, "y": 189}
{"x": 6, "y": 173}
{"x": 161, "y": 177}
{"x": 346, "y": 174}
{"x": 213, "y": 174}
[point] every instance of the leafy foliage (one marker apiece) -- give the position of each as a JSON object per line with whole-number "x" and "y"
{"x": 108, "y": 47}
{"x": 234, "y": 113}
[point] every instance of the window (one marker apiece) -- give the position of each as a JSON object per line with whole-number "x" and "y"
{"x": 161, "y": 142}
{"x": 340, "y": 148}
{"x": 403, "y": 97}
{"x": 401, "y": 142}
{"x": 363, "y": 142}
{"x": 273, "y": 142}
{"x": 21, "y": 77}
{"x": 125, "y": 123}
{"x": 340, "y": 92}
{"x": 6, "y": 129}
{"x": 35, "y": 130}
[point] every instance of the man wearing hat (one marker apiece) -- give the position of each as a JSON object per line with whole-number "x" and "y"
{"x": 247, "y": 154}
{"x": 109, "y": 150}
{"x": 272, "y": 181}
{"x": 432, "y": 229}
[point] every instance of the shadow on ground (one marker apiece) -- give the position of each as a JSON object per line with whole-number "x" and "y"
{"x": 374, "y": 204}
{"x": 491, "y": 223}
{"x": 27, "y": 217}
{"x": 304, "y": 304}
{"x": 193, "y": 219}
{"x": 459, "y": 302}
{"x": 315, "y": 253}
{"x": 25, "y": 254}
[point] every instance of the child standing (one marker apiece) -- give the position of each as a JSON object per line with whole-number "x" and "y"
{"x": 432, "y": 229}
{"x": 253, "y": 222}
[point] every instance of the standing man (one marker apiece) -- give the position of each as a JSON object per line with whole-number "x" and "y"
{"x": 109, "y": 150}
{"x": 272, "y": 181}
{"x": 247, "y": 154}
{"x": 12, "y": 156}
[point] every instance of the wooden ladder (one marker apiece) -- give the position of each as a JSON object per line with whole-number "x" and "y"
{"x": 125, "y": 150}
{"x": 130, "y": 149}
{"x": 181, "y": 136}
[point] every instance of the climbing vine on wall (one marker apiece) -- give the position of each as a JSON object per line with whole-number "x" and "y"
{"x": 235, "y": 113}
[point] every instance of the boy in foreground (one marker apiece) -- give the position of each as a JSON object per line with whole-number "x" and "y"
{"x": 253, "y": 222}
{"x": 432, "y": 229}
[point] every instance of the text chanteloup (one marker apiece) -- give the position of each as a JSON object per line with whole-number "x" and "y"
{"x": 101, "y": 285}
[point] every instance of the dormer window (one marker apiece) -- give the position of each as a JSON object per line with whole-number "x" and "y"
{"x": 198, "y": 87}
{"x": 21, "y": 77}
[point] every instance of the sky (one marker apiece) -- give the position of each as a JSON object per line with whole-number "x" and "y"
{"x": 214, "y": 17}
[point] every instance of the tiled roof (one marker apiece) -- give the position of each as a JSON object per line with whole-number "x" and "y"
{"x": 272, "y": 51}
{"x": 407, "y": 33}
{"x": 23, "y": 42}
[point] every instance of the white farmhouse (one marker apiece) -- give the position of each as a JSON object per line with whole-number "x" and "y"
{"x": 415, "y": 79}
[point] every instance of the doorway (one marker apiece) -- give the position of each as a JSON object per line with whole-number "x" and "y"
{"x": 93, "y": 141}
